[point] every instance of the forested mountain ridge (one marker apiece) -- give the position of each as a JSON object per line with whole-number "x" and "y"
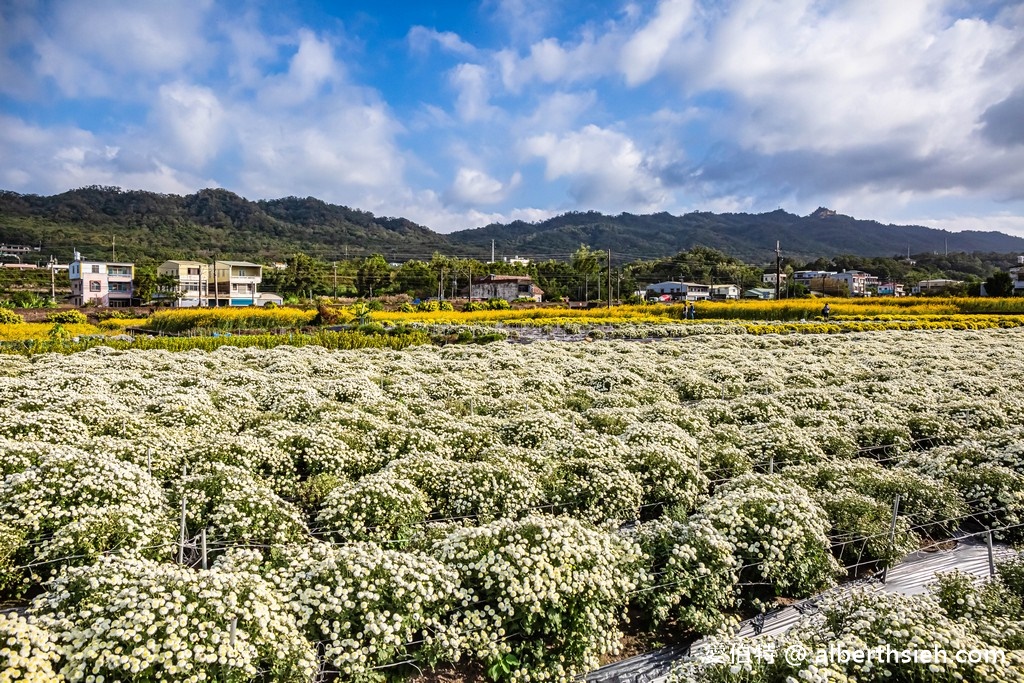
{"x": 211, "y": 222}
{"x": 749, "y": 237}
{"x": 218, "y": 223}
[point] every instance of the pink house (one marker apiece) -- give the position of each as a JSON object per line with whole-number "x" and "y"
{"x": 107, "y": 284}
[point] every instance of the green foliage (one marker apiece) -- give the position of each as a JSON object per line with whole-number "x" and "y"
{"x": 374, "y": 275}
{"x": 346, "y": 339}
{"x": 9, "y": 317}
{"x": 498, "y": 305}
{"x": 67, "y": 317}
{"x": 311, "y": 493}
{"x": 11, "y": 541}
{"x": 999, "y": 284}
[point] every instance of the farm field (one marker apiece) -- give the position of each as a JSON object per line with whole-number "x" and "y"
{"x": 497, "y": 511}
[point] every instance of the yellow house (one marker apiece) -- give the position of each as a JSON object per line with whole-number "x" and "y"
{"x": 193, "y": 282}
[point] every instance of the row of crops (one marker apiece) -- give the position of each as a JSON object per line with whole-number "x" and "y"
{"x": 295, "y": 514}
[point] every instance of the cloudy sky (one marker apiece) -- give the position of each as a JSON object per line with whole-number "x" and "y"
{"x": 456, "y": 114}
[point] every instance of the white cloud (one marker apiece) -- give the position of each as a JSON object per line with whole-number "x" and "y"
{"x": 550, "y": 61}
{"x": 310, "y": 70}
{"x": 421, "y": 39}
{"x": 473, "y": 100}
{"x": 643, "y": 53}
{"x": 56, "y": 159}
{"x": 558, "y": 111}
{"x": 97, "y": 48}
{"x": 524, "y": 20}
{"x": 195, "y": 120}
{"x": 472, "y": 187}
{"x": 605, "y": 169}
{"x": 426, "y": 207}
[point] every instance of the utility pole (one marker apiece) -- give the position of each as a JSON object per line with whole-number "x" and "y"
{"x": 778, "y": 270}
{"x": 53, "y": 279}
{"x": 492, "y": 251}
{"x": 609, "y": 278}
{"x": 440, "y": 284}
{"x": 335, "y": 280}
{"x": 113, "y": 248}
{"x": 471, "y": 277}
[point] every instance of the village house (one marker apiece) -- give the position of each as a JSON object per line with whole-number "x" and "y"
{"x": 858, "y": 283}
{"x": 724, "y": 292}
{"x": 762, "y": 293}
{"x": 192, "y": 280}
{"x": 679, "y": 291}
{"x": 236, "y": 283}
{"x": 507, "y": 287}
{"x": 891, "y": 289}
{"x": 936, "y": 286}
{"x": 100, "y": 282}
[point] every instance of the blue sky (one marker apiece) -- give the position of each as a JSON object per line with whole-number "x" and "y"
{"x": 457, "y": 114}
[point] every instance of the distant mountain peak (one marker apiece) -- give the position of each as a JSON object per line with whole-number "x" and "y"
{"x": 822, "y": 212}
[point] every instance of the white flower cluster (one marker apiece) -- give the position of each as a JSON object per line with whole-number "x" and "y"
{"x": 778, "y": 532}
{"x": 141, "y": 620}
{"x": 379, "y": 507}
{"x": 28, "y": 654}
{"x": 71, "y": 506}
{"x": 549, "y": 591}
{"x": 368, "y": 606}
{"x": 692, "y": 576}
{"x": 236, "y": 507}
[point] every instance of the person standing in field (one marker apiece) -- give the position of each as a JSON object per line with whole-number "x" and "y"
{"x": 825, "y": 312}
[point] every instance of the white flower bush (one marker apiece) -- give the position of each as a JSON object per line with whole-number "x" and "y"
{"x": 778, "y": 532}
{"x": 692, "y": 575}
{"x": 601, "y": 491}
{"x": 235, "y": 507}
{"x": 138, "y": 620}
{"x": 70, "y": 508}
{"x": 368, "y": 606}
{"x": 929, "y": 504}
{"x": 380, "y": 507}
{"x": 480, "y": 490}
{"x": 547, "y": 595}
{"x": 28, "y": 653}
{"x": 863, "y": 619}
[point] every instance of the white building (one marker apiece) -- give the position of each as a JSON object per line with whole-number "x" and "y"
{"x": 1017, "y": 274}
{"x": 934, "y": 286}
{"x": 891, "y": 289}
{"x": 679, "y": 291}
{"x": 769, "y": 279}
{"x": 857, "y": 281}
{"x": 722, "y": 292}
{"x": 100, "y": 282}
